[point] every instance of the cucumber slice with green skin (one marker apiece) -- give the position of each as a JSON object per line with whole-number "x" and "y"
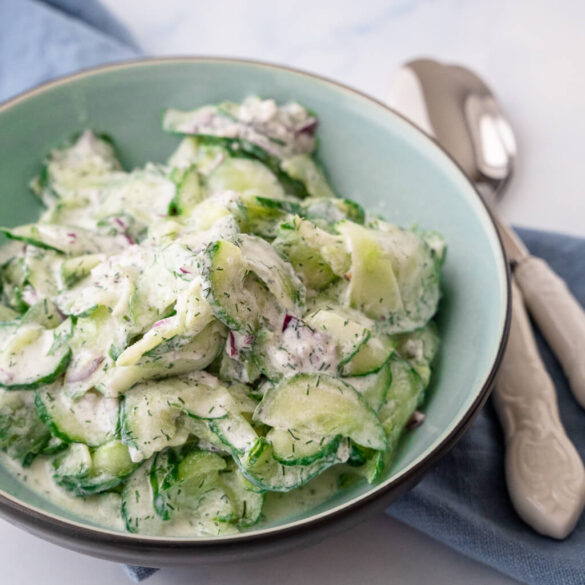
{"x": 32, "y": 344}
{"x": 303, "y": 168}
{"x": 420, "y": 348}
{"x": 144, "y": 194}
{"x": 110, "y": 284}
{"x": 70, "y": 240}
{"x": 179, "y": 483}
{"x": 91, "y": 344}
{"x": 43, "y": 271}
{"x": 241, "y": 148}
{"x": 189, "y": 190}
{"x": 404, "y": 396}
{"x": 297, "y": 348}
{"x": 394, "y": 276}
{"x": 367, "y": 463}
{"x": 152, "y": 414}
{"x": 192, "y": 315}
{"x": 373, "y": 287}
{"x": 69, "y": 169}
{"x": 137, "y": 503}
{"x": 191, "y": 355}
{"x": 260, "y": 468}
{"x": 264, "y": 215}
{"x": 245, "y": 176}
{"x": 22, "y": 434}
{"x": 44, "y": 313}
{"x": 75, "y": 269}
{"x": 243, "y": 369}
{"x": 373, "y": 387}
{"x": 278, "y": 131}
{"x": 84, "y": 472}
{"x": 140, "y": 516}
{"x": 236, "y": 433}
{"x": 246, "y": 500}
{"x": 278, "y": 275}
{"x": 191, "y": 152}
{"x": 54, "y": 445}
{"x": 329, "y": 211}
{"x": 318, "y": 257}
{"x": 361, "y": 353}
{"x": 323, "y": 406}
{"x": 290, "y": 448}
{"x": 155, "y": 294}
{"x": 91, "y": 419}
{"x": 243, "y": 300}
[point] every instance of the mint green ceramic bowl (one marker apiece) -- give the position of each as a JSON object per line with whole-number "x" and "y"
{"x": 373, "y": 156}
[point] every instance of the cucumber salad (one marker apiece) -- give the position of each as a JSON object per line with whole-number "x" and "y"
{"x": 190, "y": 340}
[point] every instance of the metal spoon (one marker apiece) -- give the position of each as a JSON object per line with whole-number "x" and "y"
{"x": 545, "y": 475}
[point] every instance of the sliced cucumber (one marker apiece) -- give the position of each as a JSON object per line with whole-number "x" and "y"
{"x": 245, "y": 176}
{"x": 137, "y": 503}
{"x": 261, "y": 468}
{"x": 22, "y": 433}
{"x": 32, "y": 356}
{"x": 290, "y": 448}
{"x": 317, "y": 256}
{"x": 327, "y": 211}
{"x": 189, "y": 191}
{"x": 74, "y": 166}
{"x": 246, "y": 500}
{"x": 145, "y": 195}
{"x": 322, "y": 406}
{"x": 373, "y": 387}
{"x": 91, "y": 419}
{"x": 94, "y": 340}
{"x": 404, "y": 395}
{"x": 75, "y": 269}
{"x": 264, "y": 215}
{"x": 303, "y": 168}
{"x": 394, "y": 276}
{"x": 173, "y": 358}
{"x": 373, "y": 287}
{"x": 298, "y": 348}
{"x": 360, "y": 352}
{"x": 153, "y": 414}
{"x": 84, "y": 472}
{"x": 419, "y": 348}
{"x": 248, "y": 284}
{"x": 70, "y": 240}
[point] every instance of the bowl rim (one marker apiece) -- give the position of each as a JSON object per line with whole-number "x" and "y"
{"x": 39, "y": 520}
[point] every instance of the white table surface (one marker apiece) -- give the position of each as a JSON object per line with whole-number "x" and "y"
{"x": 529, "y": 50}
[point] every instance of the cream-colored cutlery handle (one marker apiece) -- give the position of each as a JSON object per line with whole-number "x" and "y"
{"x": 545, "y": 475}
{"x": 559, "y": 316}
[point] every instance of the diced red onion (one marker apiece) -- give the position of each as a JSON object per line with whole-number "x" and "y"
{"x": 233, "y": 349}
{"x": 287, "y": 319}
{"x": 417, "y": 419}
{"x": 308, "y": 127}
{"x": 184, "y": 270}
{"x": 120, "y": 223}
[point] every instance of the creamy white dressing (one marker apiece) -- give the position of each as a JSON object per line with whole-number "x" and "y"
{"x": 104, "y": 509}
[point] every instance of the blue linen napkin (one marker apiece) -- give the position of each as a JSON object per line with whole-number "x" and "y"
{"x": 462, "y": 501}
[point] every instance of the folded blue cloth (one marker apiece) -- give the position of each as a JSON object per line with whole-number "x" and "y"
{"x": 462, "y": 501}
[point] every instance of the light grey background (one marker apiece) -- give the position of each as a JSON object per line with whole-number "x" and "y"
{"x": 529, "y": 50}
